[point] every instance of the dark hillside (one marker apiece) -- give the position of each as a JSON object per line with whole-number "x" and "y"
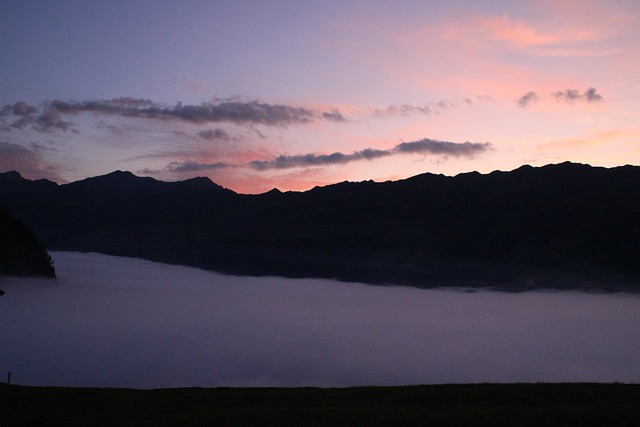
{"x": 20, "y": 252}
{"x": 563, "y": 226}
{"x": 492, "y": 405}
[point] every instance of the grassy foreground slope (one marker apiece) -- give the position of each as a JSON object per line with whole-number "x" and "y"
{"x": 438, "y": 405}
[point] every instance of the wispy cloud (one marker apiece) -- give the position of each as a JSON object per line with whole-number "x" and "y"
{"x": 334, "y": 115}
{"x": 515, "y": 33}
{"x": 230, "y": 111}
{"x": 49, "y": 116}
{"x": 190, "y": 166}
{"x": 527, "y": 99}
{"x": 573, "y": 95}
{"x": 569, "y": 96}
{"x": 521, "y": 34}
{"x": 442, "y": 148}
{"x": 306, "y": 160}
{"x": 404, "y": 110}
{"x": 57, "y": 114}
{"x": 423, "y": 146}
{"x": 425, "y": 109}
{"x": 217, "y": 134}
{"x": 25, "y": 115}
{"x": 20, "y": 109}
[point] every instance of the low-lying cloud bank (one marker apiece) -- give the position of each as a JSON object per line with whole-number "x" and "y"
{"x": 424, "y": 146}
{"x": 122, "y": 322}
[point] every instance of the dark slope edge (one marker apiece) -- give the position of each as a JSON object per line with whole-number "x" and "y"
{"x": 560, "y": 226}
{"x": 21, "y": 254}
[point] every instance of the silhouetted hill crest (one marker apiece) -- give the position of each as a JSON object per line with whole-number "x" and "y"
{"x": 571, "y": 219}
{"x": 11, "y": 175}
{"x": 202, "y": 183}
{"x": 16, "y": 177}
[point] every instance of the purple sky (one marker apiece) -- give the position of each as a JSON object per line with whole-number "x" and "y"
{"x": 290, "y": 94}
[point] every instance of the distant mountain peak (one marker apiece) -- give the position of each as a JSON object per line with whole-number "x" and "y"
{"x": 200, "y": 180}
{"x": 15, "y": 177}
{"x": 11, "y": 175}
{"x": 117, "y": 175}
{"x": 203, "y": 183}
{"x": 121, "y": 173}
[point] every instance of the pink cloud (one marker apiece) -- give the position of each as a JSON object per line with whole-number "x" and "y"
{"x": 506, "y": 55}
{"x": 520, "y": 34}
{"x": 480, "y": 29}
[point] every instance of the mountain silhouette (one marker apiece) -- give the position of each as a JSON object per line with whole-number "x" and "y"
{"x": 563, "y": 226}
{"x": 21, "y": 254}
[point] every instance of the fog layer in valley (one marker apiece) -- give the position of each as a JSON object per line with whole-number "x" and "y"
{"x": 120, "y": 322}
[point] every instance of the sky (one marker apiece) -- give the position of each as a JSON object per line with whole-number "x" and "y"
{"x": 258, "y": 95}
{"x": 123, "y": 322}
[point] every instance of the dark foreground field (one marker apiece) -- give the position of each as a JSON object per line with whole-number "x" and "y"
{"x": 438, "y": 405}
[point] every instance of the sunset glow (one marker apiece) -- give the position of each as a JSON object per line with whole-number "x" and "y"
{"x": 286, "y": 94}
